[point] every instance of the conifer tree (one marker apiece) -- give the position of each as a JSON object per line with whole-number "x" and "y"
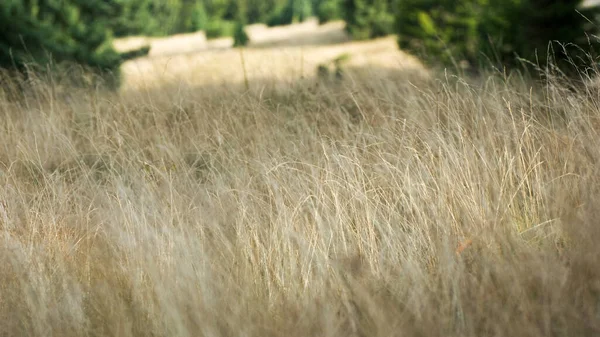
{"x": 47, "y": 32}
{"x": 260, "y": 10}
{"x": 497, "y": 32}
{"x": 368, "y": 18}
{"x": 443, "y": 31}
{"x": 239, "y": 37}
{"x": 289, "y": 11}
{"x": 192, "y": 16}
{"x": 135, "y": 17}
{"x": 51, "y": 31}
{"x": 327, "y": 10}
{"x": 541, "y": 28}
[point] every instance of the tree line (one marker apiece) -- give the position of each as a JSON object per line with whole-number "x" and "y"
{"x": 447, "y": 32}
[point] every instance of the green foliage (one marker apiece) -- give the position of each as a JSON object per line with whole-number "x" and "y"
{"x": 289, "y": 12}
{"x": 216, "y": 8}
{"x": 165, "y": 16}
{"x": 498, "y": 32}
{"x": 260, "y": 11}
{"x": 282, "y": 15}
{"x": 219, "y": 28}
{"x": 548, "y": 25}
{"x": 134, "y": 18}
{"x": 327, "y": 10}
{"x": 240, "y": 38}
{"x": 367, "y": 19}
{"x": 444, "y": 31}
{"x": 194, "y": 16}
{"x": 302, "y": 10}
{"x": 48, "y": 32}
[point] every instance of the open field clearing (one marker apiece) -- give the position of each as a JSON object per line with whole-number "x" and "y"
{"x": 386, "y": 202}
{"x": 285, "y": 53}
{"x": 286, "y": 64}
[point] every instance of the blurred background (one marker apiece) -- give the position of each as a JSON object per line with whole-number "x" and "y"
{"x": 461, "y": 34}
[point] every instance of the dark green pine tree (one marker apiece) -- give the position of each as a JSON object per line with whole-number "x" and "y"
{"x": 240, "y": 38}
{"x": 302, "y": 10}
{"x": 496, "y": 32}
{"x": 260, "y": 10}
{"x": 217, "y": 9}
{"x": 199, "y": 17}
{"x": 134, "y": 17}
{"x": 551, "y": 32}
{"x": 166, "y": 13}
{"x": 327, "y": 10}
{"x": 367, "y": 19}
{"x": 289, "y": 11}
{"x": 49, "y": 32}
{"x": 192, "y": 16}
{"x": 443, "y": 31}
{"x": 43, "y": 32}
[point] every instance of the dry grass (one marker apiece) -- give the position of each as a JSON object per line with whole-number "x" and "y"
{"x": 386, "y": 204}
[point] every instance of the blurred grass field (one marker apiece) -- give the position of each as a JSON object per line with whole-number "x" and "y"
{"x": 386, "y": 201}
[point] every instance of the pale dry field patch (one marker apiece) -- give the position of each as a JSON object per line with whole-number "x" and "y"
{"x": 279, "y": 63}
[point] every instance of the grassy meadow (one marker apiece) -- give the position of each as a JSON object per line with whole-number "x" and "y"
{"x": 238, "y": 193}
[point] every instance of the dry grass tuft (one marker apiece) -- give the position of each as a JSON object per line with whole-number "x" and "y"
{"x": 387, "y": 203}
